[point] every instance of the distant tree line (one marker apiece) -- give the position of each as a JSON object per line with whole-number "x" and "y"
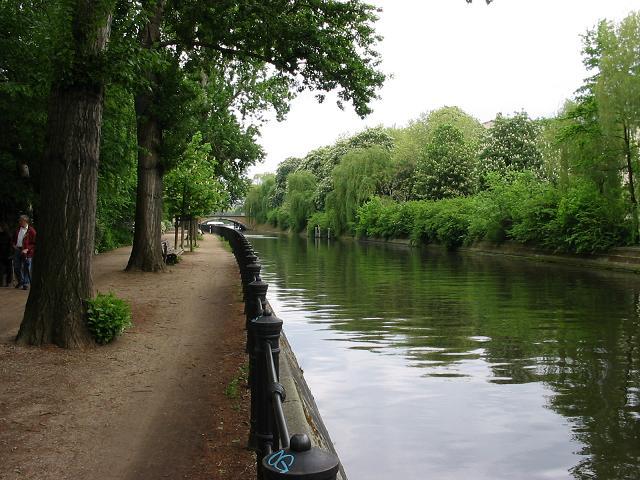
{"x": 566, "y": 183}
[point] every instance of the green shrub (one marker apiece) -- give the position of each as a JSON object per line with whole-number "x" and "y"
{"x": 517, "y": 206}
{"x": 490, "y": 220}
{"x": 111, "y": 237}
{"x": 383, "y": 218}
{"x": 588, "y": 222}
{"x": 272, "y": 217}
{"x": 449, "y": 224}
{"x": 533, "y": 206}
{"x": 283, "y": 218}
{"x": 368, "y": 218}
{"x": 107, "y": 317}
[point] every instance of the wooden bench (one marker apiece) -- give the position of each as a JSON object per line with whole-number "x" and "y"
{"x": 169, "y": 254}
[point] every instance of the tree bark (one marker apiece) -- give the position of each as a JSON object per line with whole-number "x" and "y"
{"x": 175, "y": 235}
{"x": 62, "y": 278}
{"x": 191, "y": 234}
{"x": 146, "y": 254}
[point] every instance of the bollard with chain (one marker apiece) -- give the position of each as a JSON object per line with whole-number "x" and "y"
{"x": 265, "y": 332}
{"x": 254, "y": 307}
{"x": 255, "y": 299}
{"x": 297, "y": 459}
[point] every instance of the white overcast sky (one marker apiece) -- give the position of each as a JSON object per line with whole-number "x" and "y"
{"x": 503, "y": 57}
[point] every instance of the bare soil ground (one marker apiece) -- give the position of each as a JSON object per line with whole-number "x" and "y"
{"x": 153, "y": 404}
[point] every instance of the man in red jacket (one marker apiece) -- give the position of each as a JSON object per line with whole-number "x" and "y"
{"x": 24, "y": 243}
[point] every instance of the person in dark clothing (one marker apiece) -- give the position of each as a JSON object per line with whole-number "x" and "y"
{"x": 6, "y": 254}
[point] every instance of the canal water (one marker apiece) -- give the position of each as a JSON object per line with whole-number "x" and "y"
{"x": 430, "y": 365}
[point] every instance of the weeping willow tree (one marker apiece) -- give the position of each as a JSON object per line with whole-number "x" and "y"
{"x": 299, "y": 203}
{"x": 259, "y": 199}
{"x": 361, "y": 175}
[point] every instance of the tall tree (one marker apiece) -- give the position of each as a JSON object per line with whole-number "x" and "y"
{"x": 259, "y": 199}
{"x": 322, "y": 161}
{"x": 362, "y": 174}
{"x": 62, "y": 268}
{"x": 511, "y": 146}
{"x": 445, "y": 169}
{"x": 615, "y": 54}
{"x": 411, "y": 142}
{"x": 192, "y": 188}
{"x": 147, "y": 250}
{"x": 298, "y": 202}
{"x": 318, "y": 45}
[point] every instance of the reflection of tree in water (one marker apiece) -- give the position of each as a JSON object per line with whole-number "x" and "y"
{"x": 597, "y": 388}
{"x": 576, "y": 331}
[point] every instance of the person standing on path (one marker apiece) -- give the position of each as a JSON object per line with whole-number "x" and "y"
{"x": 24, "y": 242}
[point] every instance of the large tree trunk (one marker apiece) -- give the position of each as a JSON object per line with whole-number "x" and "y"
{"x": 146, "y": 254}
{"x": 175, "y": 243}
{"x": 62, "y": 281}
{"x": 182, "y": 231}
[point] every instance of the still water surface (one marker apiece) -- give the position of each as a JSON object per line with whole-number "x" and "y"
{"x": 428, "y": 365}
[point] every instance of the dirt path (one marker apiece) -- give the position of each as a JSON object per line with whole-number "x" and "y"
{"x": 151, "y": 405}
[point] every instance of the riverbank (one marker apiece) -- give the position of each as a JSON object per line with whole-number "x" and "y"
{"x": 625, "y": 259}
{"x": 155, "y": 403}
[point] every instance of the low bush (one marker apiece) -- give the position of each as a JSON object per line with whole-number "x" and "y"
{"x": 111, "y": 237}
{"x": 445, "y": 221}
{"x": 283, "y": 220}
{"x": 107, "y": 317}
{"x": 384, "y": 218}
{"x": 272, "y": 217}
{"x": 516, "y": 207}
{"x": 587, "y": 222}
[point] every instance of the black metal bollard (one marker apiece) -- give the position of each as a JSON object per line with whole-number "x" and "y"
{"x": 255, "y": 299}
{"x": 265, "y": 333}
{"x": 244, "y": 257}
{"x": 249, "y": 271}
{"x": 300, "y": 461}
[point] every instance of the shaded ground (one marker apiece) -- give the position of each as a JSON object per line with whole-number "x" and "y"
{"x": 151, "y": 405}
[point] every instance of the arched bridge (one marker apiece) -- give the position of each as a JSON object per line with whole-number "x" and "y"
{"x": 239, "y": 221}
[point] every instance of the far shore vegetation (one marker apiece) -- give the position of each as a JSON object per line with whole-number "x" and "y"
{"x": 566, "y": 183}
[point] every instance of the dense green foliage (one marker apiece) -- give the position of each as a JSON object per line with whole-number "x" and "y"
{"x": 361, "y": 174}
{"x": 511, "y": 145}
{"x": 117, "y": 172}
{"x": 565, "y": 183}
{"x": 299, "y": 204}
{"x": 217, "y": 71}
{"x": 520, "y": 208}
{"x": 259, "y": 201}
{"x": 107, "y": 317}
{"x": 192, "y": 188}
{"x": 445, "y": 168}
